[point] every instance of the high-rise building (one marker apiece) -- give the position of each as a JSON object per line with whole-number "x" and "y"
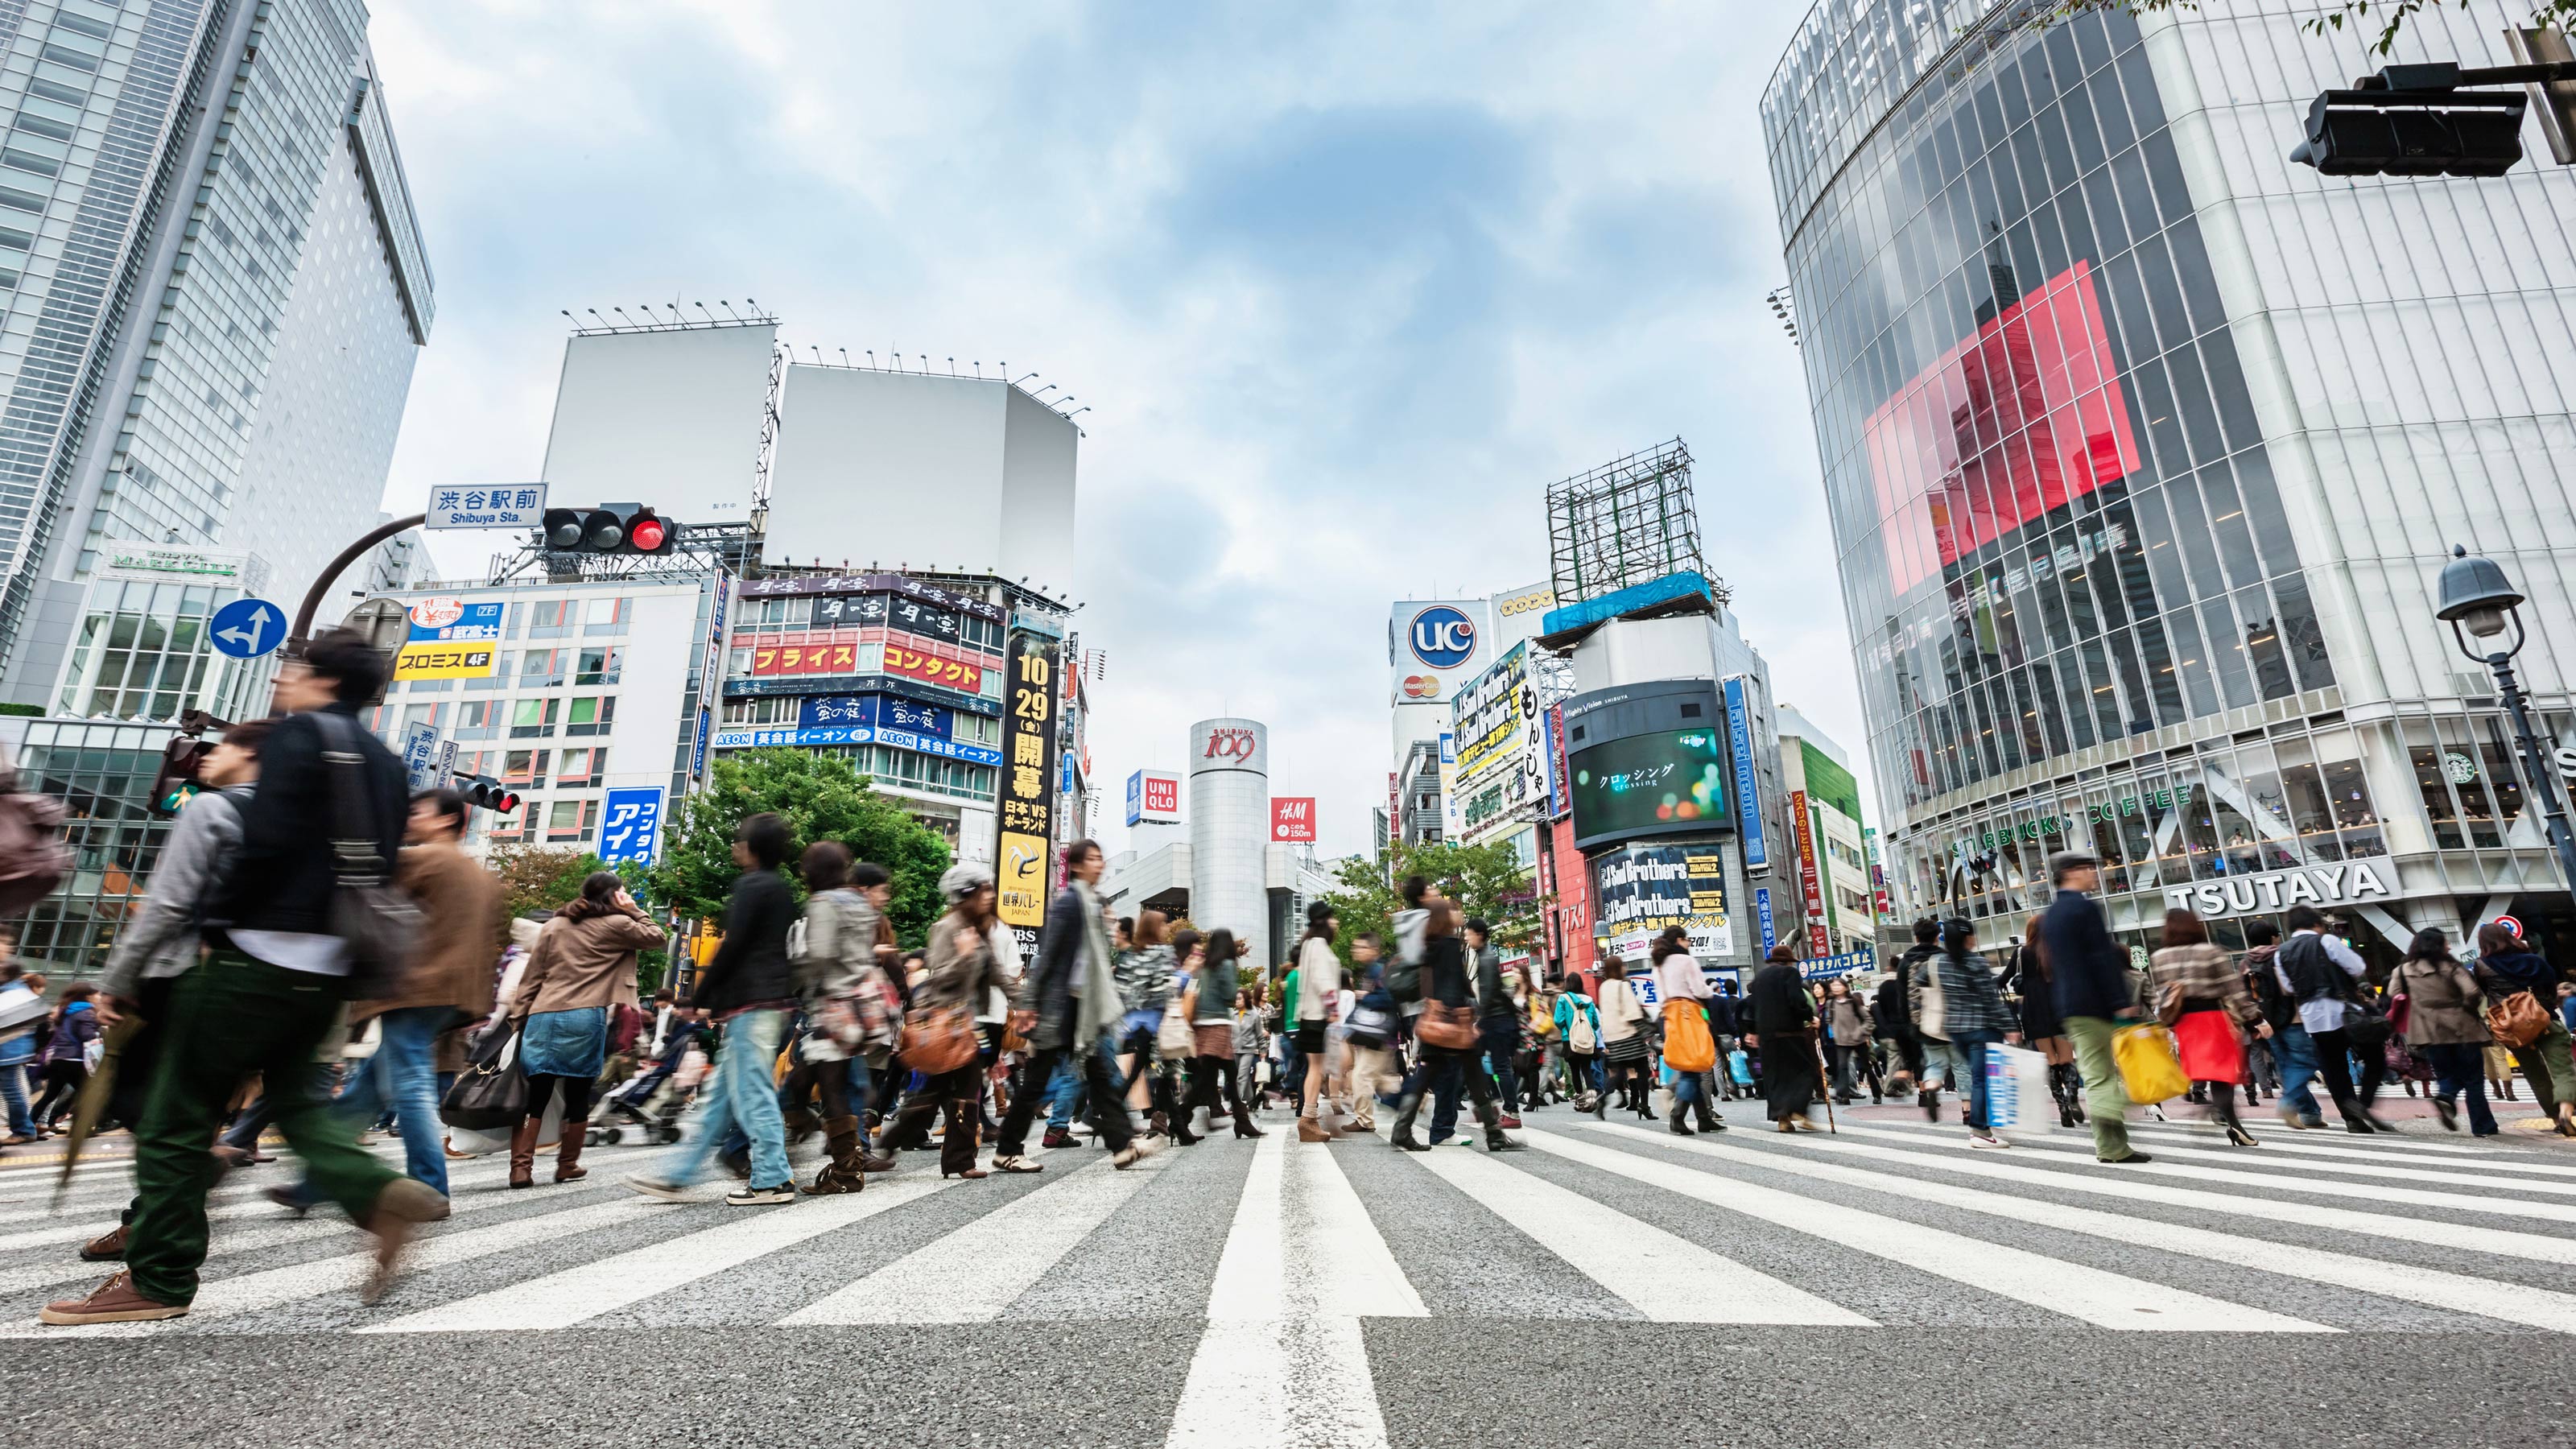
{"x": 212, "y": 291}
{"x": 1827, "y": 845}
{"x": 2143, "y": 447}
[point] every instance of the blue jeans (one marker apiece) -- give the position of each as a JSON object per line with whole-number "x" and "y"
{"x": 402, "y": 1078}
{"x": 1969, "y": 1048}
{"x": 2296, "y": 1056}
{"x": 13, "y": 1091}
{"x": 2460, "y": 1067}
{"x": 743, "y": 1094}
{"x": 1063, "y": 1089}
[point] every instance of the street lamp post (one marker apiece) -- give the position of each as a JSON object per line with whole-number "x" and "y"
{"x": 2476, "y": 599}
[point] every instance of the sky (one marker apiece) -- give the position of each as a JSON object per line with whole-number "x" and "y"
{"x": 1345, "y": 286}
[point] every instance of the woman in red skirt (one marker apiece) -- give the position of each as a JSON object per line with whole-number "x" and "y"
{"x": 2202, "y": 996}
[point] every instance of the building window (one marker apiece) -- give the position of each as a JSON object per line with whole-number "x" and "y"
{"x": 533, "y": 719}
{"x": 568, "y": 820}
{"x": 549, "y": 618}
{"x": 525, "y": 768}
{"x": 478, "y": 719}
{"x": 513, "y": 826}
{"x": 765, "y": 709}
{"x": 419, "y": 714}
{"x": 541, "y": 668}
{"x": 592, "y": 714}
{"x": 583, "y": 767}
{"x": 606, "y": 616}
{"x": 600, "y": 664}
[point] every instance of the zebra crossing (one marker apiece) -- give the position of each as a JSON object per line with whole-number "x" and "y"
{"x": 1284, "y": 1252}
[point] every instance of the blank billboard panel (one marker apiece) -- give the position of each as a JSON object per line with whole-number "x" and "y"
{"x": 908, "y": 469}
{"x": 670, "y": 419}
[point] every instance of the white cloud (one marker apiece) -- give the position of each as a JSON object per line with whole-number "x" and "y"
{"x": 1346, "y": 286}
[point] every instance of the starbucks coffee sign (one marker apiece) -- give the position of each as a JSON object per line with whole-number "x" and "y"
{"x": 2339, "y": 883}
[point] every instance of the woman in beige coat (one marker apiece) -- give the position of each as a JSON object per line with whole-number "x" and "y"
{"x": 2443, "y": 1022}
{"x": 583, "y": 964}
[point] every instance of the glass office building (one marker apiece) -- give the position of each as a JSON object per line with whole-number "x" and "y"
{"x": 2142, "y": 448}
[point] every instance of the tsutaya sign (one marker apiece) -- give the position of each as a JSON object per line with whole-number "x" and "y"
{"x": 2347, "y": 882}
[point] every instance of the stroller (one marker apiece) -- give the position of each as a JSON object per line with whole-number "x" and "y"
{"x": 650, "y": 1102}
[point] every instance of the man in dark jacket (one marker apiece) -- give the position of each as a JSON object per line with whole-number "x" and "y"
{"x": 1894, "y": 1010}
{"x": 268, "y": 991}
{"x": 1069, "y": 1004}
{"x": 750, "y": 988}
{"x": 2094, "y": 994}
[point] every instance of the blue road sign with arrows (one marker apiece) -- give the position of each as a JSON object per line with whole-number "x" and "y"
{"x": 248, "y": 628}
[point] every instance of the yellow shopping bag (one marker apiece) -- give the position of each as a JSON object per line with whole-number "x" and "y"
{"x": 2150, "y": 1071}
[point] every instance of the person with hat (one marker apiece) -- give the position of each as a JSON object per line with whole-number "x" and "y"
{"x": 957, "y": 973}
{"x": 2090, "y": 975}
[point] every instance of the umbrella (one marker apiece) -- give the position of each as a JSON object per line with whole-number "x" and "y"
{"x": 96, "y": 1093}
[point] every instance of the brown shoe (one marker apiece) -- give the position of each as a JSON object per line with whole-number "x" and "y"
{"x": 404, "y": 1204}
{"x": 568, "y": 1166}
{"x": 523, "y": 1153}
{"x": 107, "y": 1247}
{"x": 114, "y": 1301}
{"x": 1310, "y": 1130}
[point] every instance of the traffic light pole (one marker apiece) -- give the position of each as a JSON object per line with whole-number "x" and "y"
{"x": 301, "y": 634}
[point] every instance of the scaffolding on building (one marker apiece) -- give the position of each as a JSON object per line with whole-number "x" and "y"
{"x": 1627, "y": 522}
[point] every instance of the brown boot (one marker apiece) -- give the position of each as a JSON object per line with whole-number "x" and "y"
{"x": 523, "y": 1153}
{"x": 568, "y": 1166}
{"x": 845, "y": 1172}
{"x": 403, "y": 1206}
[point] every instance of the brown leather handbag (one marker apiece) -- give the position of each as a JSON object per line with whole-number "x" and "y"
{"x": 941, "y": 1039}
{"x": 2517, "y": 1021}
{"x": 1451, "y": 1028}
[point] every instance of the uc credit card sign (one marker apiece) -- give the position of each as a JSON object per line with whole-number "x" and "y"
{"x": 451, "y": 639}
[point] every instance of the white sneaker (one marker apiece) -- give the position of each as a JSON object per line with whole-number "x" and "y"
{"x": 656, "y": 1187}
{"x": 760, "y": 1196}
{"x": 1986, "y": 1139}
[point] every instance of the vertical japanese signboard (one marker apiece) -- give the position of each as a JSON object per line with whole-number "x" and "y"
{"x": 1748, "y": 789}
{"x": 1027, "y": 795}
{"x": 1811, "y": 885}
{"x": 632, "y": 828}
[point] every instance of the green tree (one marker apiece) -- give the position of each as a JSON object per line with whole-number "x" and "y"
{"x": 823, "y": 798}
{"x": 539, "y": 877}
{"x": 1486, "y": 881}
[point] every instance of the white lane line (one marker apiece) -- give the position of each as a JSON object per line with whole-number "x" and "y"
{"x": 2071, "y": 1155}
{"x": 1667, "y": 1278}
{"x": 1966, "y": 1162}
{"x": 1233, "y": 1395}
{"x": 972, "y": 1274}
{"x": 2247, "y": 1155}
{"x": 100, "y": 1215}
{"x": 323, "y": 1222}
{"x": 2299, "y": 1144}
{"x": 250, "y": 1292}
{"x": 2106, "y": 1300}
{"x": 1356, "y": 1276}
{"x": 2509, "y": 1302}
{"x": 2267, "y": 1123}
{"x": 560, "y": 1300}
{"x": 1265, "y": 1311}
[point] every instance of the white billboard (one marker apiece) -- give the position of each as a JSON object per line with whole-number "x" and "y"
{"x": 924, "y": 471}
{"x": 669, "y": 418}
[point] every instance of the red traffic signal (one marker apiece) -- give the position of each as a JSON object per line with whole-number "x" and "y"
{"x": 625, "y": 528}
{"x": 485, "y": 793}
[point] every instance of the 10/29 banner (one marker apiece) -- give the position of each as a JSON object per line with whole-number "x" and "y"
{"x": 1027, "y": 794}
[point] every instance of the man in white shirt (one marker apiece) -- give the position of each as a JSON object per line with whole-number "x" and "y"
{"x": 2323, "y": 975}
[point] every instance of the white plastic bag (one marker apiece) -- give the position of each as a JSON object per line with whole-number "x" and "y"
{"x": 2017, "y": 1095}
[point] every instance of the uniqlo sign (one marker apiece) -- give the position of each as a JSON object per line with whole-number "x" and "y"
{"x": 1292, "y": 817}
{"x": 1162, "y": 795}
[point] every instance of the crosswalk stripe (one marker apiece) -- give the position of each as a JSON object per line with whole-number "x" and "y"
{"x": 250, "y": 1292}
{"x": 561, "y": 1299}
{"x": 2106, "y": 1300}
{"x": 1923, "y": 1156}
{"x": 1264, "y": 1312}
{"x": 972, "y": 1274}
{"x": 81, "y": 1221}
{"x": 2362, "y": 1169}
{"x": 1667, "y": 1278}
{"x": 2509, "y": 1302}
{"x": 2070, "y": 1153}
{"x": 2277, "y": 1139}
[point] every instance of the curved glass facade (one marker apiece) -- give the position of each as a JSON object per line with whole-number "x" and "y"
{"x": 2079, "y": 481}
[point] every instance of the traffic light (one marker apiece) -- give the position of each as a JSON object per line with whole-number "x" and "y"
{"x": 175, "y": 784}
{"x": 485, "y": 793}
{"x": 2414, "y": 120}
{"x": 626, "y": 528}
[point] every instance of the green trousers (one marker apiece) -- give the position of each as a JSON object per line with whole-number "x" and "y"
{"x": 2545, "y": 1065}
{"x": 2106, "y": 1103}
{"x": 229, "y": 1017}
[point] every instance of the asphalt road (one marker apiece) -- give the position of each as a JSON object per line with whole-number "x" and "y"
{"x": 1613, "y": 1285}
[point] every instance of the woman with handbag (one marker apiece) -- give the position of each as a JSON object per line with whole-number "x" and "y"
{"x": 2508, "y": 968}
{"x": 2200, "y": 996}
{"x": 1211, "y": 1014}
{"x": 1174, "y": 1041}
{"x": 583, "y": 964}
{"x": 1448, "y": 1034}
{"x": 1624, "y": 1044}
{"x": 2443, "y": 1023}
{"x": 849, "y": 1003}
{"x": 939, "y": 1036}
{"x": 1144, "y": 977}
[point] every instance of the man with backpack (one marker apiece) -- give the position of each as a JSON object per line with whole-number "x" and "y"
{"x": 2324, "y": 975}
{"x": 270, "y": 988}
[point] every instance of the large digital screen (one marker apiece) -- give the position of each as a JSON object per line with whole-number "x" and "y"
{"x": 1649, "y": 784}
{"x": 2022, "y": 416}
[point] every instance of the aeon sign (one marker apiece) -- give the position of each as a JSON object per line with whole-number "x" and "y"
{"x": 1229, "y": 744}
{"x": 1442, "y": 637}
